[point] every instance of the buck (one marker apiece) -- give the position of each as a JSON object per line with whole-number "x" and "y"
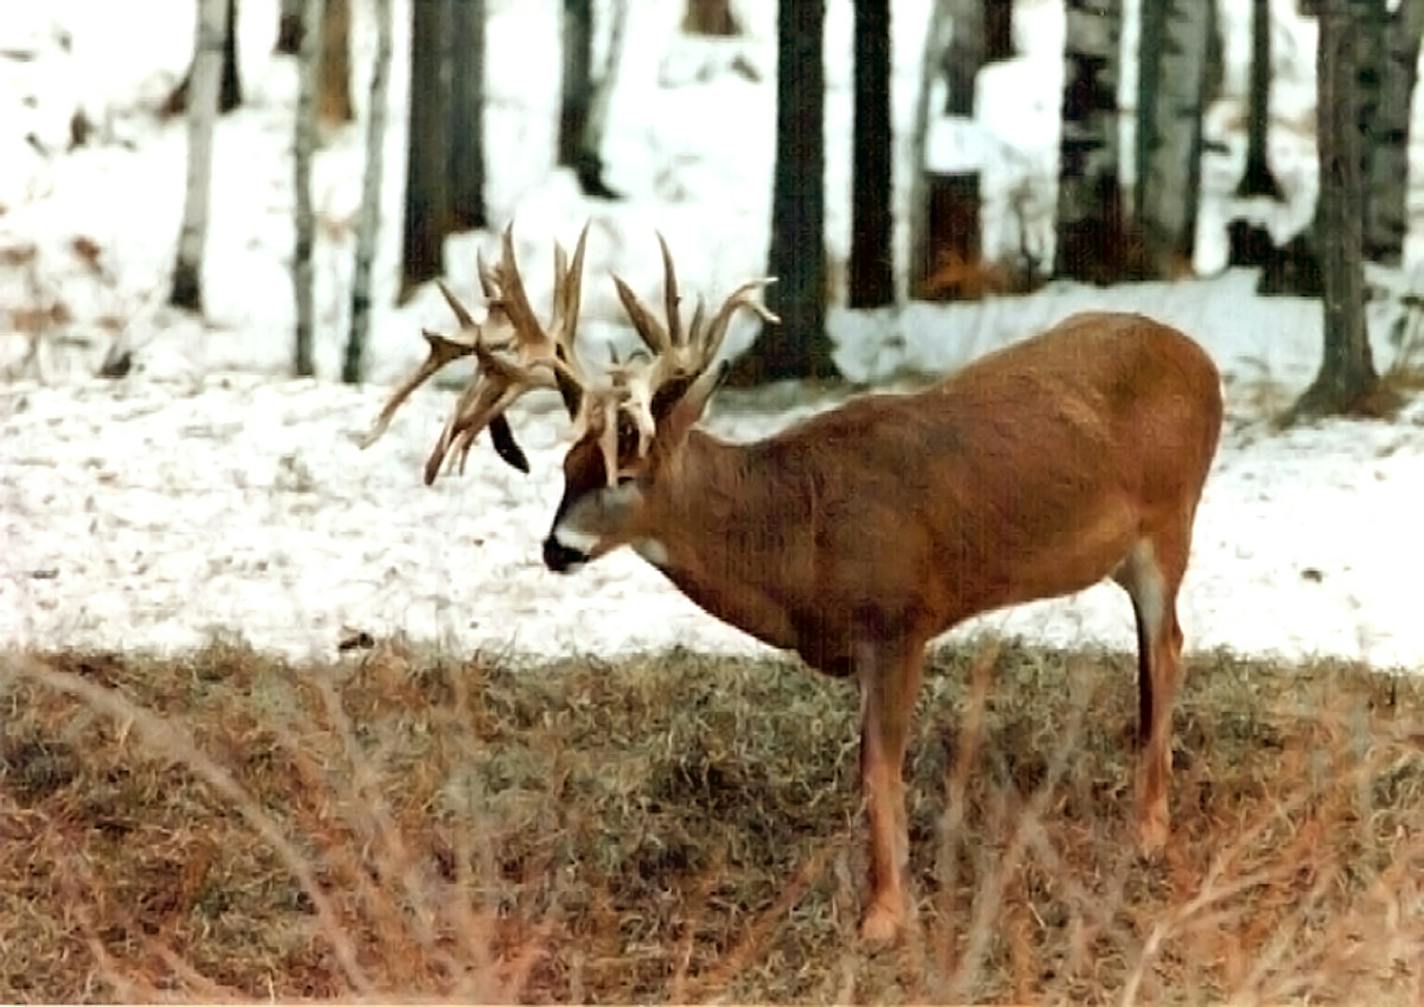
{"x": 856, "y": 536}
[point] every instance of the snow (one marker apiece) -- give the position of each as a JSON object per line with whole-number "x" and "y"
{"x": 207, "y": 494}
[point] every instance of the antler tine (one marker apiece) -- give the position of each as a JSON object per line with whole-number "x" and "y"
{"x": 494, "y": 387}
{"x": 443, "y": 350}
{"x": 488, "y": 281}
{"x": 670, "y": 295}
{"x": 652, "y": 332}
{"x": 462, "y": 315}
{"x": 739, "y": 298}
{"x": 699, "y": 318}
{"x": 512, "y": 297}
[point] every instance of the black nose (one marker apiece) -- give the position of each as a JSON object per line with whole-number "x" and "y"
{"x": 559, "y": 557}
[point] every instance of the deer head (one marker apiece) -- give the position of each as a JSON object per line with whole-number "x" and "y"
{"x": 630, "y": 419}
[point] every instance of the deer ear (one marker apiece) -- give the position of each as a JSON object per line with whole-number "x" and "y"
{"x": 688, "y": 409}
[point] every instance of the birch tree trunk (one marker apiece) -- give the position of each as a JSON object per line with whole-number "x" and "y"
{"x": 304, "y": 146}
{"x": 872, "y": 265}
{"x": 1090, "y": 242}
{"x": 1387, "y": 137}
{"x": 187, "y": 291}
{"x": 798, "y": 347}
{"x": 937, "y": 38}
{"x": 467, "y": 109}
{"x": 1347, "y": 374}
{"x": 368, "y": 224}
{"x": 1172, "y": 83}
{"x": 334, "y": 88}
{"x": 427, "y": 188}
{"x": 230, "y": 93}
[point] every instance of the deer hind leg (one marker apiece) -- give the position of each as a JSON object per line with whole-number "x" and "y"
{"x": 1151, "y": 574}
{"x": 888, "y": 683}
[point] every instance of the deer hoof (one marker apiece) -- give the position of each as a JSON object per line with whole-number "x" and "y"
{"x": 882, "y": 924}
{"x": 1152, "y": 832}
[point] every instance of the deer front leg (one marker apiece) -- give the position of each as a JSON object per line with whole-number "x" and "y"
{"x": 888, "y": 685}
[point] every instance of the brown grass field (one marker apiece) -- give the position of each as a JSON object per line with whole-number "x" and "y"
{"x": 679, "y": 828}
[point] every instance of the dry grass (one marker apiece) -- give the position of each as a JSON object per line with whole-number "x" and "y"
{"x": 678, "y": 828}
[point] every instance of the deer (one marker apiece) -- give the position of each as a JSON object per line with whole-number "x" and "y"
{"x": 856, "y": 536}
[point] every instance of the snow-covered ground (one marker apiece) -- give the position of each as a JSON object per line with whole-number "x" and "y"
{"x": 202, "y": 494}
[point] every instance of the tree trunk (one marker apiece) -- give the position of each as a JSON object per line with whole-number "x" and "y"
{"x": 467, "y": 109}
{"x": 1172, "y": 82}
{"x": 584, "y": 104}
{"x": 1258, "y": 180}
{"x": 289, "y": 28}
{"x": 998, "y": 30}
{"x": 427, "y": 197}
{"x": 710, "y": 17}
{"x": 798, "y": 347}
{"x": 304, "y": 145}
{"x": 937, "y": 38}
{"x": 231, "y": 94}
{"x": 187, "y": 291}
{"x": 334, "y": 90}
{"x": 963, "y": 56}
{"x": 1387, "y": 137}
{"x": 872, "y": 267}
{"x": 1347, "y": 374}
{"x": 1091, "y": 239}
{"x": 369, "y": 221}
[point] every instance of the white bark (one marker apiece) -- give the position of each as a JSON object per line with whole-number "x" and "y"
{"x": 370, "y": 218}
{"x": 937, "y": 38}
{"x": 303, "y": 147}
{"x": 187, "y": 289}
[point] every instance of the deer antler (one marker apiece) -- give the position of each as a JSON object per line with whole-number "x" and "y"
{"x": 540, "y": 358}
{"x": 677, "y": 353}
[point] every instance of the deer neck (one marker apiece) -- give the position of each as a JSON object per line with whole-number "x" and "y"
{"x": 713, "y": 525}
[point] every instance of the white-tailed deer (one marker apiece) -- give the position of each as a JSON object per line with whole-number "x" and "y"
{"x": 856, "y": 536}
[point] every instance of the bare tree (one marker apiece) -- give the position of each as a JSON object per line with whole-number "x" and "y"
{"x": 1172, "y": 82}
{"x": 1387, "y": 132}
{"x": 583, "y": 107}
{"x": 1257, "y": 179}
{"x": 467, "y": 108}
{"x": 964, "y": 55}
{"x": 334, "y": 87}
{"x": 998, "y": 30}
{"x": 370, "y": 218}
{"x": 872, "y": 266}
{"x": 187, "y": 289}
{"x": 937, "y": 39}
{"x": 304, "y": 146}
{"x": 289, "y": 27}
{"x": 1347, "y": 375}
{"x": 1091, "y": 237}
{"x": 710, "y": 17}
{"x": 798, "y": 347}
{"x": 230, "y": 95}
{"x": 427, "y": 198}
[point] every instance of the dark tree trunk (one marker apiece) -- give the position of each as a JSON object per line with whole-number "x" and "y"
{"x": 304, "y": 219}
{"x": 230, "y": 94}
{"x": 872, "y": 268}
{"x": 1347, "y": 375}
{"x": 334, "y": 89}
{"x": 1172, "y": 91}
{"x": 427, "y": 194}
{"x": 710, "y": 17}
{"x": 798, "y": 347}
{"x": 1387, "y": 135}
{"x": 1258, "y": 180}
{"x": 998, "y": 30}
{"x": 963, "y": 56}
{"x": 467, "y": 108}
{"x": 289, "y": 28}
{"x": 583, "y": 106}
{"x": 1091, "y": 241}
